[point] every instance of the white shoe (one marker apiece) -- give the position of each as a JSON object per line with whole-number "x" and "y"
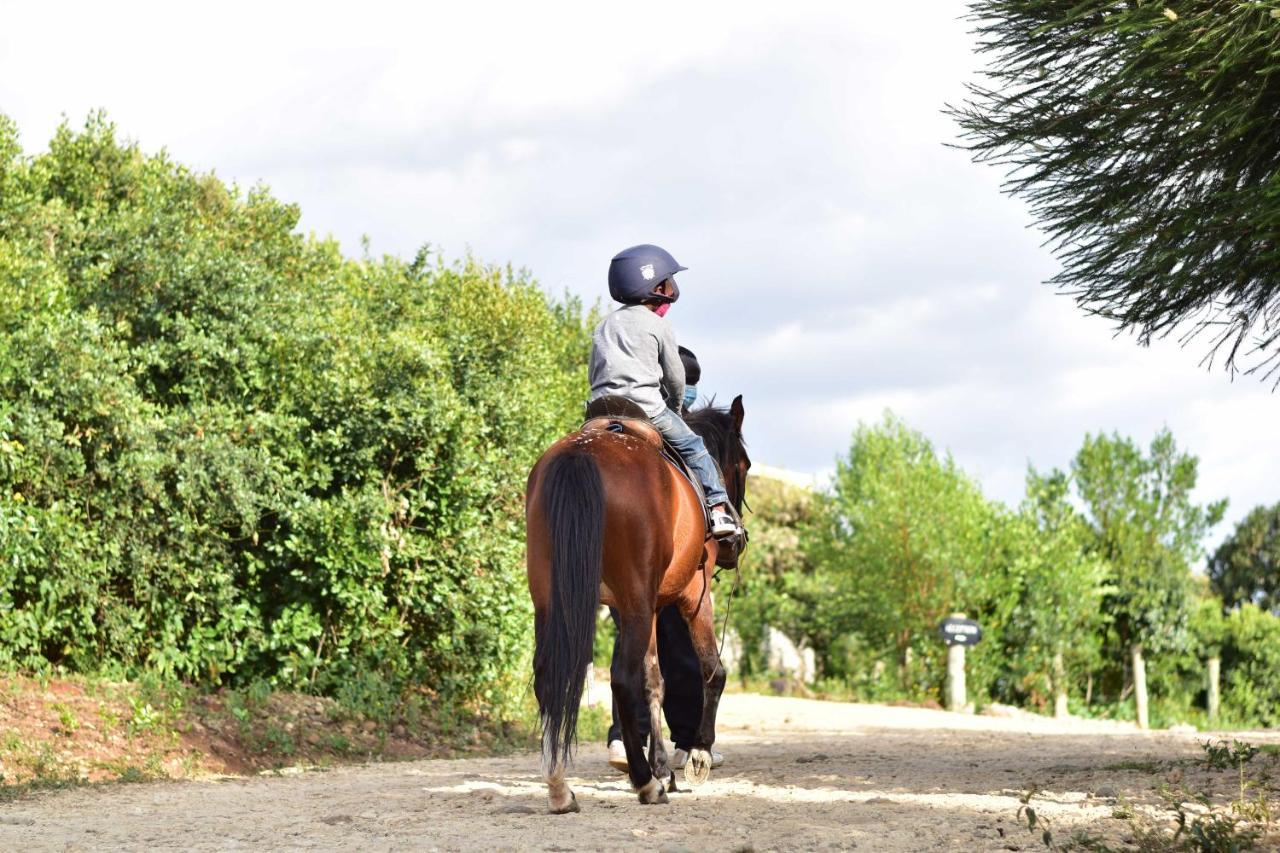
{"x": 722, "y": 524}
{"x": 680, "y": 757}
{"x": 618, "y": 756}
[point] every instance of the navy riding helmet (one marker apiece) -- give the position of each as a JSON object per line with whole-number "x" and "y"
{"x": 635, "y": 272}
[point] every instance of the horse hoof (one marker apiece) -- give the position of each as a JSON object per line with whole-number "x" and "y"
{"x": 569, "y": 807}
{"x": 652, "y": 794}
{"x": 697, "y": 769}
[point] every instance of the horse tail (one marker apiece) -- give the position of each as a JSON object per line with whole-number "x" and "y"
{"x": 572, "y": 498}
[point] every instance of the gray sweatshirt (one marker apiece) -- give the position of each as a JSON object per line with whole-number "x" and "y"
{"x": 634, "y": 355}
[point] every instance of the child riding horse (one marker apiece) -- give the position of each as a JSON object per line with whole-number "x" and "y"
{"x": 611, "y": 521}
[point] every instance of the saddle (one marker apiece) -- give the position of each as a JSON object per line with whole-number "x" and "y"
{"x": 620, "y": 415}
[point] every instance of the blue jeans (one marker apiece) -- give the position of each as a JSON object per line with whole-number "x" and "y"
{"x": 694, "y": 451}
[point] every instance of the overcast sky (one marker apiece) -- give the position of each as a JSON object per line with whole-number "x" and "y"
{"x": 842, "y": 260}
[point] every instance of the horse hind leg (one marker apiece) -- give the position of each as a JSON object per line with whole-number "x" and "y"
{"x": 628, "y": 684}
{"x": 554, "y": 765}
{"x": 561, "y": 796}
{"x": 655, "y": 692}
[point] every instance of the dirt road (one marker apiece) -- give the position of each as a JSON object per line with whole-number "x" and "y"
{"x": 800, "y": 775}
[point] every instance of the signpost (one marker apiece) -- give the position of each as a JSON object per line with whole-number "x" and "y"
{"x": 958, "y": 633}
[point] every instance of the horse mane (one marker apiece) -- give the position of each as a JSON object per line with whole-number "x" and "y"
{"x": 715, "y": 425}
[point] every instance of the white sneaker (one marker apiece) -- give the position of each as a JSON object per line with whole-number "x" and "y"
{"x": 618, "y": 756}
{"x": 680, "y": 757}
{"x": 722, "y": 524}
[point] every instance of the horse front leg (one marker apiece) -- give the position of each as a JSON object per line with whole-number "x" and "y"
{"x": 628, "y": 677}
{"x": 695, "y": 606}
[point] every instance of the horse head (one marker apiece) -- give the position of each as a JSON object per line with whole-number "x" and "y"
{"x": 721, "y": 430}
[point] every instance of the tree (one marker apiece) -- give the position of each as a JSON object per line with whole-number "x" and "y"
{"x": 1246, "y": 567}
{"x": 1143, "y": 135}
{"x": 1148, "y": 530}
{"x": 1056, "y": 626}
{"x": 912, "y": 539}
{"x": 1251, "y": 666}
{"x": 1208, "y": 635}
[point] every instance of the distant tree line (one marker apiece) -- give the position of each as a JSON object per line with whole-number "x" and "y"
{"x": 1085, "y": 592}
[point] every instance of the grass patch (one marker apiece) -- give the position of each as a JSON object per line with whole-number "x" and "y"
{"x": 1136, "y": 765}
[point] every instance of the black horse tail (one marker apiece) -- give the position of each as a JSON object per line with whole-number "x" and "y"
{"x": 573, "y": 503}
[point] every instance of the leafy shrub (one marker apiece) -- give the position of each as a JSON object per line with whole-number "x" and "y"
{"x": 229, "y": 453}
{"x": 1251, "y": 666}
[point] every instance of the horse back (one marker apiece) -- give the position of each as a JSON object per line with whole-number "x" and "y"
{"x": 654, "y": 522}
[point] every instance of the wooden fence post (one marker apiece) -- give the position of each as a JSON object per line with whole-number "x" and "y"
{"x": 1140, "y": 686}
{"x": 1215, "y": 666}
{"x": 956, "y": 692}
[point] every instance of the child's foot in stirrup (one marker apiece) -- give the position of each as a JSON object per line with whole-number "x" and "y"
{"x": 722, "y": 524}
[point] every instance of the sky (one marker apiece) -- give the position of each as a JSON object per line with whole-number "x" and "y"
{"x": 843, "y": 260}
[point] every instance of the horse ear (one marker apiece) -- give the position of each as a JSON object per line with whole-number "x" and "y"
{"x": 736, "y": 413}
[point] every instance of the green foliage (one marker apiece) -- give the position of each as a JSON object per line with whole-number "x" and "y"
{"x": 1143, "y": 136}
{"x": 780, "y": 583}
{"x": 1246, "y": 567}
{"x": 1091, "y": 562}
{"x": 1208, "y": 626}
{"x": 1228, "y": 756}
{"x": 1251, "y": 667}
{"x": 229, "y": 453}
{"x": 908, "y": 539}
{"x": 1059, "y": 613}
{"x": 1148, "y": 531}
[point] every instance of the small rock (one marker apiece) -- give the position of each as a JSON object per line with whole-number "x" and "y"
{"x": 673, "y": 847}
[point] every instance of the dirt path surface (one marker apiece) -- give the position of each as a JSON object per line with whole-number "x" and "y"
{"x": 799, "y": 775}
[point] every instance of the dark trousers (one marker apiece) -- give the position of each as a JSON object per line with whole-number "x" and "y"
{"x": 682, "y": 676}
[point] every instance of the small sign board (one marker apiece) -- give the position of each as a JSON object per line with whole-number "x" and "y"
{"x": 959, "y": 632}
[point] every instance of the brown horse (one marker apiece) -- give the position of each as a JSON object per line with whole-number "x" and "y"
{"x": 611, "y": 521}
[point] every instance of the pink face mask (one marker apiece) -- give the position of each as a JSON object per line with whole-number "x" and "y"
{"x": 662, "y": 309}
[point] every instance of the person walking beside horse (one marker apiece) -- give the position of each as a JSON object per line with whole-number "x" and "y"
{"x": 677, "y": 659}
{"x": 611, "y": 520}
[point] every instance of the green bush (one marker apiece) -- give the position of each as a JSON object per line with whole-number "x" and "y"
{"x": 228, "y": 452}
{"x": 1251, "y": 666}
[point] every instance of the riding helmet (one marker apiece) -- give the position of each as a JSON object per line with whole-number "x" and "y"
{"x": 635, "y": 272}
